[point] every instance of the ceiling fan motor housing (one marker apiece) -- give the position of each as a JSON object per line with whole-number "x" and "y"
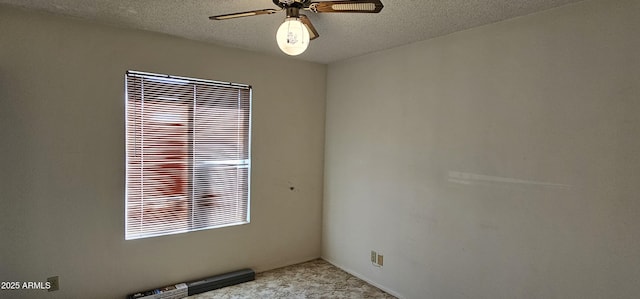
{"x": 291, "y": 3}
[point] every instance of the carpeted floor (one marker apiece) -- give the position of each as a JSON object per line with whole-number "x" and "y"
{"x": 314, "y": 279}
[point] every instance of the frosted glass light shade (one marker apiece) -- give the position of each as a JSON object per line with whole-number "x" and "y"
{"x": 292, "y": 37}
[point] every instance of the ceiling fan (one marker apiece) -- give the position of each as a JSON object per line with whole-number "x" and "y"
{"x": 296, "y": 31}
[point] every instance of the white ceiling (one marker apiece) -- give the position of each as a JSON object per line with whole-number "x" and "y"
{"x": 341, "y": 35}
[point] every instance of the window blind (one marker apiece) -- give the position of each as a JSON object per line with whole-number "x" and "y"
{"x": 188, "y": 154}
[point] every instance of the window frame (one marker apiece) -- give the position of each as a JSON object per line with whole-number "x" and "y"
{"x": 190, "y": 156}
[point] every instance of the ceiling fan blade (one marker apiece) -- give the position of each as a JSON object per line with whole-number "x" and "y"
{"x": 313, "y": 33}
{"x": 244, "y": 14}
{"x": 357, "y": 6}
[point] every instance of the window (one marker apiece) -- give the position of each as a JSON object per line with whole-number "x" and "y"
{"x": 188, "y": 154}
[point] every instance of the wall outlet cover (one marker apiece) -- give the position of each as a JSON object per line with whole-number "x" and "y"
{"x": 54, "y": 283}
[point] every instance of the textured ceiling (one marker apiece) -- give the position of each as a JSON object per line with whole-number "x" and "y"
{"x": 341, "y": 35}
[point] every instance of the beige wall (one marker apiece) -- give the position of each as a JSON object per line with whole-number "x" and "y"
{"x": 62, "y": 159}
{"x": 498, "y": 162}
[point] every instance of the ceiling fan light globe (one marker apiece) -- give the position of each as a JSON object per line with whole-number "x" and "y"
{"x": 292, "y": 37}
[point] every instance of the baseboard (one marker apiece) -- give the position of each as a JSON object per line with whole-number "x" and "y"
{"x": 358, "y": 275}
{"x": 286, "y": 264}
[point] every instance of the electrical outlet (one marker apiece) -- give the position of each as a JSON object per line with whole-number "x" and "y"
{"x": 53, "y": 283}
{"x": 374, "y": 256}
{"x": 380, "y": 259}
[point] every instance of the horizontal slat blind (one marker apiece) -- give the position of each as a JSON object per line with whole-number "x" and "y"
{"x": 188, "y": 154}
